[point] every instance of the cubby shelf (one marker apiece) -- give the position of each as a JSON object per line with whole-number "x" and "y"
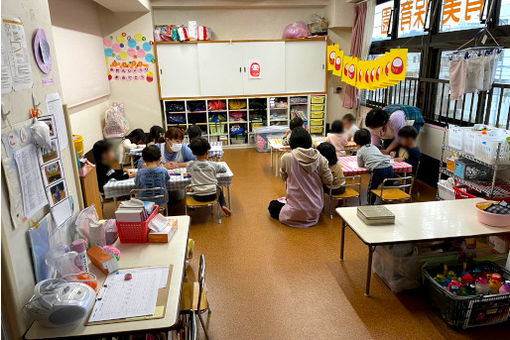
{"x": 256, "y": 113}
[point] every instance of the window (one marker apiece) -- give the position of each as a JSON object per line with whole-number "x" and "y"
{"x": 461, "y": 14}
{"x": 504, "y": 13}
{"x": 382, "y": 19}
{"x": 413, "y": 14}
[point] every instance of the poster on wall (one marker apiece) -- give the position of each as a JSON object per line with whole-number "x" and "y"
{"x": 14, "y": 47}
{"x": 128, "y": 57}
{"x": 255, "y": 69}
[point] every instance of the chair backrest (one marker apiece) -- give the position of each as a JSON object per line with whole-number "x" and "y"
{"x": 150, "y": 194}
{"x": 201, "y": 280}
{"x": 404, "y": 183}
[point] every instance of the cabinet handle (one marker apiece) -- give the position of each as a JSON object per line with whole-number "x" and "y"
{"x": 323, "y": 66}
{"x": 240, "y": 69}
{"x": 245, "y": 69}
{"x": 160, "y": 71}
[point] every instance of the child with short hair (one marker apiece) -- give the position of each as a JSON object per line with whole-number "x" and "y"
{"x": 370, "y": 157}
{"x": 328, "y": 151}
{"x": 194, "y": 131}
{"x": 350, "y": 126}
{"x": 409, "y": 152}
{"x": 129, "y": 143}
{"x": 294, "y": 123}
{"x": 157, "y": 135}
{"x": 104, "y": 156}
{"x": 152, "y": 175}
{"x": 337, "y": 138}
{"x": 203, "y": 174}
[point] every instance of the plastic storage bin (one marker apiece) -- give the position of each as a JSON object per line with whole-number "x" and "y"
{"x": 317, "y": 115}
{"x": 217, "y": 129}
{"x": 444, "y": 192}
{"x": 318, "y": 99}
{"x": 456, "y": 136}
{"x": 316, "y": 129}
{"x": 469, "y": 141}
{"x": 265, "y": 132}
{"x": 316, "y": 122}
{"x": 135, "y": 232}
{"x": 317, "y": 107}
{"x": 468, "y": 311}
{"x": 486, "y": 149}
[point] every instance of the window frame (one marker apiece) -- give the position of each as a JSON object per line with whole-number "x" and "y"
{"x": 431, "y": 45}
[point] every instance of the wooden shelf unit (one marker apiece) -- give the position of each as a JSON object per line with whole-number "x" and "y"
{"x": 258, "y": 112}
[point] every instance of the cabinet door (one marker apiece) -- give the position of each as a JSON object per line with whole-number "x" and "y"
{"x": 220, "y": 69}
{"x": 178, "y": 70}
{"x": 305, "y": 63}
{"x": 270, "y": 56}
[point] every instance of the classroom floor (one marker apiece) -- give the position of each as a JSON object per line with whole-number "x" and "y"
{"x": 269, "y": 281}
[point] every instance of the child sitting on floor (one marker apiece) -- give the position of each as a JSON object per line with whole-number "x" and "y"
{"x": 129, "y": 143}
{"x": 104, "y": 157}
{"x": 203, "y": 174}
{"x": 157, "y": 135}
{"x": 370, "y": 157}
{"x": 350, "y": 126}
{"x": 152, "y": 175}
{"x": 328, "y": 151}
{"x": 408, "y": 152}
{"x": 337, "y": 138}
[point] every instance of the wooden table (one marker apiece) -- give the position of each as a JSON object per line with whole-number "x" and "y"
{"x": 417, "y": 222}
{"x": 136, "y": 255}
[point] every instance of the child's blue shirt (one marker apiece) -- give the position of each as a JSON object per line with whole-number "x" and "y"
{"x": 147, "y": 178}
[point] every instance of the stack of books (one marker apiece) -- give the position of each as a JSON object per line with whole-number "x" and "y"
{"x": 134, "y": 210}
{"x": 376, "y": 214}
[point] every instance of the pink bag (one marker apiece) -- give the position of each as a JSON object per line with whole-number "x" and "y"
{"x": 115, "y": 123}
{"x": 296, "y": 30}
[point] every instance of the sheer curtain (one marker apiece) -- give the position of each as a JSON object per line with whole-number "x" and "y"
{"x": 360, "y": 43}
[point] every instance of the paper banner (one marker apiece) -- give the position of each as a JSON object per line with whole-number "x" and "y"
{"x": 333, "y": 52}
{"x": 338, "y": 63}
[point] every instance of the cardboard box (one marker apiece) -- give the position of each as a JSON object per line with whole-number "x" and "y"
{"x": 106, "y": 262}
{"x": 500, "y": 244}
{"x": 165, "y": 235}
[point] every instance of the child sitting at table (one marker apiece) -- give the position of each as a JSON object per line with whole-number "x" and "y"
{"x": 152, "y": 175}
{"x": 130, "y": 143}
{"x": 408, "y": 152}
{"x": 157, "y": 135}
{"x": 370, "y": 157}
{"x": 294, "y": 123}
{"x": 104, "y": 157}
{"x": 328, "y": 151}
{"x": 203, "y": 175}
{"x": 350, "y": 126}
{"x": 337, "y": 138}
{"x": 194, "y": 131}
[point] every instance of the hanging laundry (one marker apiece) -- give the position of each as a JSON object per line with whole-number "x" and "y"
{"x": 457, "y": 78}
{"x": 474, "y": 74}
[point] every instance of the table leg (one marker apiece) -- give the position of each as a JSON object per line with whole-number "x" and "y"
{"x": 229, "y": 206}
{"x": 342, "y": 242}
{"x": 369, "y": 269}
{"x": 272, "y": 165}
{"x": 277, "y": 168}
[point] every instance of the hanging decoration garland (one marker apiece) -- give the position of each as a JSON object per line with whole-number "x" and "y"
{"x": 384, "y": 71}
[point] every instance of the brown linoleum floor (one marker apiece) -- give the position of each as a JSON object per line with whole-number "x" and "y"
{"x": 269, "y": 281}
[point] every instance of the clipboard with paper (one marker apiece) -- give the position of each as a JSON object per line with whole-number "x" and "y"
{"x": 142, "y": 297}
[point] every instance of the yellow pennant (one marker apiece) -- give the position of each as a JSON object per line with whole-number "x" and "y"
{"x": 333, "y": 50}
{"x": 338, "y": 63}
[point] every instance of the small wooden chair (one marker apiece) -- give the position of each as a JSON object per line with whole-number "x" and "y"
{"x": 397, "y": 189}
{"x": 194, "y": 296}
{"x": 355, "y": 181}
{"x": 191, "y": 202}
{"x": 164, "y": 195}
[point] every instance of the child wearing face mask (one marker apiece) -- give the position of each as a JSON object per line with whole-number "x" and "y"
{"x": 174, "y": 153}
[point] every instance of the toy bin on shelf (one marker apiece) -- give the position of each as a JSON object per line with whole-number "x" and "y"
{"x": 486, "y": 149}
{"x": 316, "y": 129}
{"x": 318, "y": 99}
{"x": 468, "y": 311}
{"x": 456, "y": 136}
{"x": 317, "y": 107}
{"x": 135, "y": 232}
{"x": 317, "y": 115}
{"x": 317, "y": 122}
{"x": 444, "y": 192}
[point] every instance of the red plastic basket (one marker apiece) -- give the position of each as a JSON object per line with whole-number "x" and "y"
{"x": 462, "y": 192}
{"x": 135, "y": 232}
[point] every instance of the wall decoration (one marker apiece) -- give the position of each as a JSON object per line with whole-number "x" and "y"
{"x": 386, "y": 70}
{"x": 128, "y": 57}
{"x": 42, "y": 51}
{"x": 255, "y": 69}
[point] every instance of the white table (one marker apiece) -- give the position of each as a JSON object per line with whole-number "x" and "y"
{"x": 137, "y": 255}
{"x": 416, "y": 222}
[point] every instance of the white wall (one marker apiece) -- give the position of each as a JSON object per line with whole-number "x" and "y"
{"x": 16, "y": 257}
{"x": 88, "y": 120}
{"x": 140, "y": 98}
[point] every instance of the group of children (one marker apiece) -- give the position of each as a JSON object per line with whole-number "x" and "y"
{"x": 163, "y": 151}
{"x": 309, "y": 172}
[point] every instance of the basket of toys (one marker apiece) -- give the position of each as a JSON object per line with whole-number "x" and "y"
{"x": 469, "y": 296}
{"x": 136, "y": 232}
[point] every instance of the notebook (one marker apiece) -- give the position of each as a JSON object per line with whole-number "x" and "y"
{"x": 376, "y": 214}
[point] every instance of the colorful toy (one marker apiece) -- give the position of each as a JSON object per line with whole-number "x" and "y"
{"x": 495, "y": 283}
{"x": 467, "y": 278}
{"x": 505, "y": 288}
{"x": 482, "y": 286}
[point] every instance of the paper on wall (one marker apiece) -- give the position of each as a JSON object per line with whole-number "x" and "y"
{"x": 17, "y": 52}
{"x": 54, "y": 104}
{"x": 61, "y": 212}
{"x": 6, "y": 65}
{"x": 32, "y": 188}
